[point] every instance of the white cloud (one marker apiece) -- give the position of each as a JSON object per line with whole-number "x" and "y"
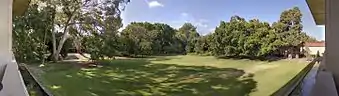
{"x": 207, "y": 31}
{"x": 154, "y": 4}
{"x": 187, "y": 18}
{"x": 211, "y": 30}
{"x": 203, "y": 20}
{"x": 200, "y": 23}
{"x": 184, "y": 14}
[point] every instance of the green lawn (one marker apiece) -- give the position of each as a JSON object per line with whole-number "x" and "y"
{"x": 170, "y": 76}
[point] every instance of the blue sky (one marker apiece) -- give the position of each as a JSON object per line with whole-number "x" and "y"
{"x": 207, "y": 14}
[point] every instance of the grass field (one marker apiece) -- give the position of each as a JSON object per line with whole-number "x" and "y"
{"x": 170, "y": 76}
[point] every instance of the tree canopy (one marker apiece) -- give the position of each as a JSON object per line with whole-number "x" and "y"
{"x": 56, "y": 26}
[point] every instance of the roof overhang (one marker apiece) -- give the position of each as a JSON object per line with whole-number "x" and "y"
{"x": 317, "y": 8}
{"x": 20, "y": 6}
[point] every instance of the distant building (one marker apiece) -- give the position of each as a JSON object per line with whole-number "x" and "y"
{"x": 313, "y": 47}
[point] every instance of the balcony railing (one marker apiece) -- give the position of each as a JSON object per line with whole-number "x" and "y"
{"x": 325, "y": 84}
{"x": 33, "y": 86}
{"x": 301, "y": 84}
{"x": 313, "y": 80}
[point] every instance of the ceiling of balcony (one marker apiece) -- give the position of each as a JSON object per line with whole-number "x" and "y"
{"x": 317, "y": 8}
{"x": 20, "y": 6}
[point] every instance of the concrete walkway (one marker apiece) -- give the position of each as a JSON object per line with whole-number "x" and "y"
{"x": 77, "y": 57}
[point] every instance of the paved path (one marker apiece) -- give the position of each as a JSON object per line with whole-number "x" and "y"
{"x": 76, "y": 57}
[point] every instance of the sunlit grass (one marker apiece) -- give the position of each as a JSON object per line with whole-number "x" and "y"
{"x": 171, "y": 76}
{"x": 55, "y": 87}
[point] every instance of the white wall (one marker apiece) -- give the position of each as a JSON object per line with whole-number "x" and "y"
{"x": 313, "y": 50}
{"x": 5, "y": 30}
{"x": 12, "y": 80}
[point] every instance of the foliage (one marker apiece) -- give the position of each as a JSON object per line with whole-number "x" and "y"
{"x": 93, "y": 26}
{"x": 253, "y": 39}
{"x": 30, "y": 33}
{"x": 55, "y": 25}
{"x": 149, "y": 39}
{"x": 189, "y": 36}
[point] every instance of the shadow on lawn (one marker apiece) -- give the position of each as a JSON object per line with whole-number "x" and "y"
{"x": 140, "y": 77}
{"x": 268, "y": 58}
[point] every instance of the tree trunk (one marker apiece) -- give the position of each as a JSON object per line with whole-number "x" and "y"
{"x": 77, "y": 45}
{"x": 60, "y": 45}
{"x": 64, "y": 36}
{"x": 55, "y": 58}
{"x": 63, "y": 39}
{"x": 290, "y": 56}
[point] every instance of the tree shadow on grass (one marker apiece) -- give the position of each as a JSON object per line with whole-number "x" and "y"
{"x": 140, "y": 77}
{"x": 267, "y": 58}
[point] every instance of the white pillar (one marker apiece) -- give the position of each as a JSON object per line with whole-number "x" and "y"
{"x": 5, "y": 30}
{"x": 12, "y": 81}
{"x": 332, "y": 38}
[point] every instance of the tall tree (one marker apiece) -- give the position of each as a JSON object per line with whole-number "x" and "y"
{"x": 292, "y": 27}
{"x": 136, "y": 39}
{"x": 73, "y": 11}
{"x": 189, "y": 36}
{"x": 31, "y": 32}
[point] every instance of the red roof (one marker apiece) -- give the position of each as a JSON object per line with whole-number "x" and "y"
{"x": 315, "y": 44}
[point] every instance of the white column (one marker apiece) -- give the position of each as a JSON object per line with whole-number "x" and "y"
{"x": 5, "y": 30}
{"x": 12, "y": 81}
{"x": 332, "y": 38}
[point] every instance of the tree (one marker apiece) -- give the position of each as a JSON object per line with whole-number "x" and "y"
{"x": 202, "y": 46}
{"x": 31, "y": 32}
{"x": 259, "y": 39}
{"x": 291, "y": 19}
{"x": 229, "y": 37}
{"x": 220, "y": 40}
{"x": 189, "y": 36}
{"x": 93, "y": 26}
{"x": 305, "y": 38}
{"x": 73, "y": 19}
{"x": 143, "y": 38}
{"x": 136, "y": 39}
{"x": 72, "y": 12}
